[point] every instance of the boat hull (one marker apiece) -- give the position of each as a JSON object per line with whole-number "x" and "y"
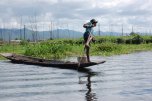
{"x": 22, "y": 59}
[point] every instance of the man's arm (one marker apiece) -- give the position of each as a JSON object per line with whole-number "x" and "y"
{"x": 88, "y": 25}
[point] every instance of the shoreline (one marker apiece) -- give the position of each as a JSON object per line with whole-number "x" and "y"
{"x": 136, "y": 51}
{"x": 62, "y": 48}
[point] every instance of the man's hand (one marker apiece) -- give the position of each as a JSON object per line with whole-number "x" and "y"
{"x": 85, "y": 26}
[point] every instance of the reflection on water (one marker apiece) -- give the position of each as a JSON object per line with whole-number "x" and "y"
{"x": 121, "y": 78}
{"x": 90, "y": 95}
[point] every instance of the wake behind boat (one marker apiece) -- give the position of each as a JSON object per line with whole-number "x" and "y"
{"x": 22, "y": 59}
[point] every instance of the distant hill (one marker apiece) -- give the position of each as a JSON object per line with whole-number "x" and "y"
{"x": 101, "y": 33}
{"x": 12, "y": 34}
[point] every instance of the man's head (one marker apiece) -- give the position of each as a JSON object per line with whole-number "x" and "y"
{"x": 94, "y": 22}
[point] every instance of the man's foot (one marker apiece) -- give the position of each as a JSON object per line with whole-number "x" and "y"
{"x": 89, "y": 61}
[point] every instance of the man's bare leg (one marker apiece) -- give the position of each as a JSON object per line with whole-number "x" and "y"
{"x": 88, "y": 41}
{"x": 87, "y": 50}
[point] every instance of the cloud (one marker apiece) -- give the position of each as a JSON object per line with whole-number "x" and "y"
{"x": 106, "y": 11}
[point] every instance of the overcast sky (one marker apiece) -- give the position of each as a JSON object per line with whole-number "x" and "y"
{"x": 129, "y": 12}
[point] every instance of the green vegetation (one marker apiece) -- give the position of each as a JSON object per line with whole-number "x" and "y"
{"x": 60, "y": 48}
{"x": 47, "y": 50}
{"x": 108, "y": 49}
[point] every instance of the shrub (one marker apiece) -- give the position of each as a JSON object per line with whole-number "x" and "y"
{"x": 137, "y": 39}
{"x": 128, "y": 41}
{"x": 24, "y": 42}
{"x": 101, "y": 40}
{"x": 120, "y": 40}
{"x": 108, "y": 47}
{"x": 47, "y": 50}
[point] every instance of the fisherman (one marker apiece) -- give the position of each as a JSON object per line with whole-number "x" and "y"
{"x": 88, "y": 36}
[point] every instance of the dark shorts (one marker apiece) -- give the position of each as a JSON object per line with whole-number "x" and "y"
{"x": 85, "y": 36}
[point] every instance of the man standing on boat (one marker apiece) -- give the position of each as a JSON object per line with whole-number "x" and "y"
{"x": 88, "y": 36}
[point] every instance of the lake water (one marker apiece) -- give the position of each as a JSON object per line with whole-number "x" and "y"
{"x": 121, "y": 78}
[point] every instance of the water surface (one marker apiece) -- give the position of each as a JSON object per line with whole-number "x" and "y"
{"x": 121, "y": 78}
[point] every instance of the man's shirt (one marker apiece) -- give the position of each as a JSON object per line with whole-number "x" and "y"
{"x": 89, "y": 27}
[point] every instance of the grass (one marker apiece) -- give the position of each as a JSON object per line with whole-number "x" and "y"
{"x": 11, "y": 48}
{"x": 61, "y": 48}
{"x": 109, "y": 49}
{"x": 47, "y": 50}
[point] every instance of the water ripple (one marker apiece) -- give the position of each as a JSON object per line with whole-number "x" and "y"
{"x": 122, "y": 78}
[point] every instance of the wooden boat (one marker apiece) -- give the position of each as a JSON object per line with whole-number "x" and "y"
{"x": 22, "y": 59}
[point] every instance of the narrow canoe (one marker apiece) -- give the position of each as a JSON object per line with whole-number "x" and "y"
{"x": 22, "y": 59}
